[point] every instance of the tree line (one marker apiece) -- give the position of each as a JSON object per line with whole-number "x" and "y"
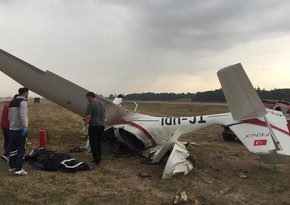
{"x": 206, "y": 96}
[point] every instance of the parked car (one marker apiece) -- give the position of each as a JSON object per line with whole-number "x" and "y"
{"x": 280, "y": 105}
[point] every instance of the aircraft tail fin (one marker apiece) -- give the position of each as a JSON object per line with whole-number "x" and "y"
{"x": 261, "y": 131}
{"x": 243, "y": 100}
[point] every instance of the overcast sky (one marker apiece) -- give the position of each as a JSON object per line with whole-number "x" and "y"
{"x": 148, "y": 46}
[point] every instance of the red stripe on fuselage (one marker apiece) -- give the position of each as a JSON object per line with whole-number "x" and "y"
{"x": 141, "y": 129}
{"x": 256, "y": 121}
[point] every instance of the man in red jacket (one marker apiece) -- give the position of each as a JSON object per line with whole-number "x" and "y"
{"x": 5, "y": 128}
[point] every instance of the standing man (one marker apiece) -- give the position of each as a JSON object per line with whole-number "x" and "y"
{"x": 5, "y": 128}
{"x": 94, "y": 119}
{"x": 18, "y": 117}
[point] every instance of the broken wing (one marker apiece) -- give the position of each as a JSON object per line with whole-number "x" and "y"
{"x": 54, "y": 87}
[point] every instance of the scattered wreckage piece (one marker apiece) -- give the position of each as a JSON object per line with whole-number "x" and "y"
{"x": 144, "y": 175}
{"x": 177, "y": 162}
{"x": 180, "y": 198}
{"x": 226, "y": 190}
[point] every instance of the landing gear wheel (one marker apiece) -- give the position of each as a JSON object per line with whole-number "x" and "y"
{"x": 228, "y": 137}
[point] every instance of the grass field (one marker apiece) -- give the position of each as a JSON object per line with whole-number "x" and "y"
{"x": 116, "y": 181}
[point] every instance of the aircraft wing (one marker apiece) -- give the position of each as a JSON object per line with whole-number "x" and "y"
{"x": 55, "y": 88}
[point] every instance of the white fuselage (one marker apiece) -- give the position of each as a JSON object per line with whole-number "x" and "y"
{"x": 153, "y": 131}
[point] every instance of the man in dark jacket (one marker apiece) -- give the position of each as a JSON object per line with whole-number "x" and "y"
{"x": 18, "y": 118}
{"x": 94, "y": 119}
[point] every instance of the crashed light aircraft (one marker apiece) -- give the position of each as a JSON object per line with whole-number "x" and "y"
{"x": 155, "y": 136}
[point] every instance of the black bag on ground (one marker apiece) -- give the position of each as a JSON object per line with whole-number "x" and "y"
{"x": 48, "y": 160}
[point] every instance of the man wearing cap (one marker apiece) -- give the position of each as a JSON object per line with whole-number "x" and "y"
{"x": 94, "y": 119}
{"x": 18, "y": 118}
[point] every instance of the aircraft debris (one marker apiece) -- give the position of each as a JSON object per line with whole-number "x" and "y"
{"x": 225, "y": 191}
{"x": 196, "y": 202}
{"x": 156, "y": 153}
{"x": 177, "y": 161}
{"x": 179, "y": 198}
{"x": 242, "y": 175}
{"x": 190, "y": 145}
{"x": 144, "y": 175}
{"x": 203, "y": 176}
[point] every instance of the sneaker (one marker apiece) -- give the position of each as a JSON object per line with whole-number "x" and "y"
{"x": 11, "y": 170}
{"x": 20, "y": 172}
{"x": 5, "y": 158}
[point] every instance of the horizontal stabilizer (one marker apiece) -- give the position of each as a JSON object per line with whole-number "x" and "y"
{"x": 268, "y": 136}
{"x": 243, "y": 100}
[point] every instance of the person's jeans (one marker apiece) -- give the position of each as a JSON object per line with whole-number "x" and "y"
{"x": 6, "y": 141}
{"x": 17, "y": 149}
{"x": 95, "y": 135}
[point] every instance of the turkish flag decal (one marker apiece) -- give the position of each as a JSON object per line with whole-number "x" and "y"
{"x": 260, "y": 142}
